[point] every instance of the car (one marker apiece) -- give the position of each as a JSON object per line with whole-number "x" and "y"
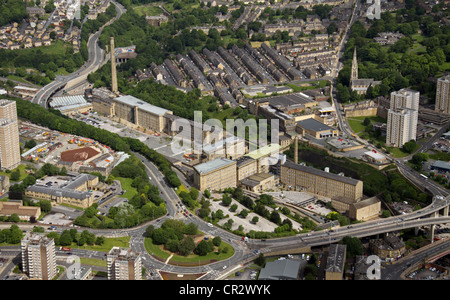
{"x": 210, "y": 225}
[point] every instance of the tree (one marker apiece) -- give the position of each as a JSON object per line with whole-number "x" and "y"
{"x": 30, "y": 144}
{"x": 203, "y": 248}
{"x": 260, "y": 260}
{"x": 217, "y": 241}
{"x": 186, "y": 246}
{"x": 409, "y": 147}
{"x": 15, "y": 175}
{"x": 65, "y": 238}
{"x": 226, "y": 200}
{"x": 243, "y": 213}
{"x": 354, "y": 246}
{"x": 14, "y": 218}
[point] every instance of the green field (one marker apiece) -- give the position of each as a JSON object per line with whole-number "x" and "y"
{"x": 356, "y": 123}
{"x": 190, "y": 260}
{"x": 109, "y": 243}
{"x": 148, "y": 10}
{"x": 126, "y": 186}
{"x": 22, "y": 169}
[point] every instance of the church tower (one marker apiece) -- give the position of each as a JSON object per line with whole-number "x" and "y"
{"x": 354, "y": 74}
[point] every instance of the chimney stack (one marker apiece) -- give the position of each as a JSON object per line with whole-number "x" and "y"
{"x": 114, "y": 88}
{"x": 296, "y": 150}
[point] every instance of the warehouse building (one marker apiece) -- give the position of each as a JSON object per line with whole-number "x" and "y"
{"x": 316, "y": 129}
{"x": 345, "y": 190}
{"x": 140, "y": 113}
{"x": 216, "y": 174}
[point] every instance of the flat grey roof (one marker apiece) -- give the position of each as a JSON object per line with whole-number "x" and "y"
{"x": 318, "y": 172}
{"x": 213, "y": 165}
{"x": 133, "y": 101}
{"x": 441, "y": 164}
{"x": 280, "y": 269}
{"x": 313, "y": 124}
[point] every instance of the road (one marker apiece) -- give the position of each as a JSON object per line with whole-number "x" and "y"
{"x": 95, "y": 61}
{"x": 335, "y": 72}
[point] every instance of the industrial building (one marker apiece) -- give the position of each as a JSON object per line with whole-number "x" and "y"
{"x": 286, "y": 269}
{"x": 216, "y": 174}
{"x": 315, "y": 129}
{"x": 337, "y": 187}
{"x": 140, "y": 113}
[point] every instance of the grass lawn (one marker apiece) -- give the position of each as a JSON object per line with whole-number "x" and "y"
{"x": 126, "y": 185}
{"x": 438, "y": 155}
{"x": 310, "y": 86}
{"x": 148, "y": 9}
{"x": 190, "y": 260}
{"x": 93, "y": 262}
{"x": 109, "y": 243}
{"x": 22, "y": 169}
{"x": 356, "y": 123}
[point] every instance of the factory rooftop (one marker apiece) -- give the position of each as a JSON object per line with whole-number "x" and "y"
{"x": 133, "y": 101}
{"x": 213, "y": 165}
{"x": 321, "y": 173}
{"x": 313, "y": 124}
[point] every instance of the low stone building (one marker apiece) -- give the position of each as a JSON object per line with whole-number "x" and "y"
{"x": 365, "y": 209}
{"x": 25, "y": 213}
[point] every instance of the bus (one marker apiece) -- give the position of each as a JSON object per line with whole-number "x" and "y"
{"x": 424, "y": 176}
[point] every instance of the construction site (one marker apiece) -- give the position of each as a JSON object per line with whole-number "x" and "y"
{"x": 77, "y": 154}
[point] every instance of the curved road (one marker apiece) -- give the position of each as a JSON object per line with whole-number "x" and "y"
{"x": 95, "y": 61}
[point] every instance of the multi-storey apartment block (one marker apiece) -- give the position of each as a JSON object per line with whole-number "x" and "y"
{"x": 38, "y": 256}
{"x": 124, "y": 264}
{"x": 402, "y": 117}
{"x": 9, "y": 135}
{"x": 443, "y": 95}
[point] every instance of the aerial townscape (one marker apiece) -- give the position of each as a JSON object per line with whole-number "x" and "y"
{"x": 228, "y": 141}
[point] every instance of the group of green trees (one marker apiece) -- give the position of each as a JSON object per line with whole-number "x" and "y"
{"x": 144, "y": 206}
{"x": 178, "y": 237}
{"x": 12, "y": 11}
{"x": 259, "y": 207}
{"x": 72, "y": 236}
{"x": 410, "y": 62}
{"x": 11, "y": 235}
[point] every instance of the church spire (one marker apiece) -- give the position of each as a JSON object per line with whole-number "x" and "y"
{"x": 354, "y": 74}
